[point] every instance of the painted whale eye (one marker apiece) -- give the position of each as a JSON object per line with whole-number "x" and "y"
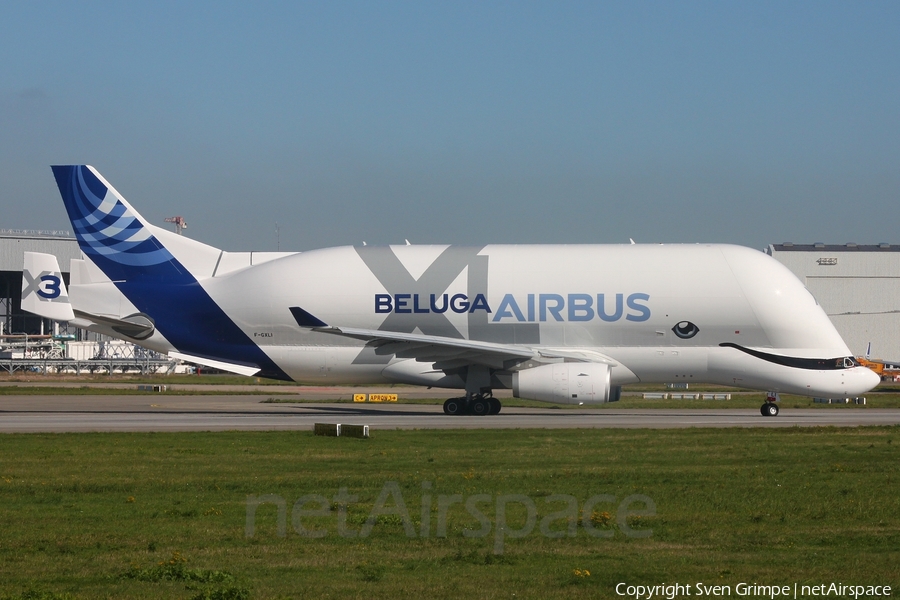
{"x": 685, "y": 330}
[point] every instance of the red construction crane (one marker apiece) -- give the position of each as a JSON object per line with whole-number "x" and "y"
{"x": 180, "y": 223}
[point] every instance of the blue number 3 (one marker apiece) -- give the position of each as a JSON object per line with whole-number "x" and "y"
{"x": 50, "y": 288}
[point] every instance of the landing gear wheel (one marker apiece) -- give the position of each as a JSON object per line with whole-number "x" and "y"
{"x": 479, "y": 406}
{"x": 454, "y": 406}
{"x": 769, "y": 409}
{"x": 495, "y": 406}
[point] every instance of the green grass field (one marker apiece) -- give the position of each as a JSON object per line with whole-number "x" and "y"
{"x": 165, "y": 515}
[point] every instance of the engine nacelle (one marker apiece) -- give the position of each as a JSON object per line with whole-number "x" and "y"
{"x": 565, "y": 383}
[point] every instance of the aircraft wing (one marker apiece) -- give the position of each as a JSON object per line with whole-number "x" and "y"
{"x": 445, "y": 352}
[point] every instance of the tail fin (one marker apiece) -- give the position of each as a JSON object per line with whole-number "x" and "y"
{"x": 43, "y": 289}
{"x": 119, "y": 240}
{"x": 159, "y": 274}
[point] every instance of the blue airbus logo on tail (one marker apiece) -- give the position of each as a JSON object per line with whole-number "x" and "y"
{"x": 103, "y": 225}
{"x": 115, "y": 238}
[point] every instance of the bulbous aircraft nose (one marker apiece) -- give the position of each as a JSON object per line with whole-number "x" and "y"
{"x": 864, "y": 380}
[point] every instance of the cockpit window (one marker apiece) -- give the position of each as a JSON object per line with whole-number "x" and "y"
{"x": 848, "y": 362}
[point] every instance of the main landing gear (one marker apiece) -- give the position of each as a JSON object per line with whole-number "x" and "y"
{"x": 473, "y": 404}
{"x": 770, "y": 409}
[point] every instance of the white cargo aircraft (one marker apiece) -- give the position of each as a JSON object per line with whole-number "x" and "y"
{"x": 559, "y": 323}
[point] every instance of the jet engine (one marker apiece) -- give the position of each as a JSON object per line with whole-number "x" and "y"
{"x": 566, "y": 383}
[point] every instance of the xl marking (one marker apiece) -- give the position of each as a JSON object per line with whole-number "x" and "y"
{"x": 391, "y": 273}
{"x": 47, "y": 285}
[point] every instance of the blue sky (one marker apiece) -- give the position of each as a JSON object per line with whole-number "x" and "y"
{"x": 471, "y": 123}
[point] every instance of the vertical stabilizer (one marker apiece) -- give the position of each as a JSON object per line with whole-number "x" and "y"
{"x": 43, "y": 289}
{"x": 119, "y": 240}
{"x": 154, "y": 276}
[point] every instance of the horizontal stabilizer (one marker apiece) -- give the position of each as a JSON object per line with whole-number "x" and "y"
{"x": 216, "y": 364}
{"x": 137, "y": 326}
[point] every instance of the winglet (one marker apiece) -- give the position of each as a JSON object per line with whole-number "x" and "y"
{"x": 304, "y": 319}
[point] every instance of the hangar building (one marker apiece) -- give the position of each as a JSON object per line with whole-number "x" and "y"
{"x": 13, "y": 245}
{"x": 857, "y": 285}
{"x": 27, "y": 341}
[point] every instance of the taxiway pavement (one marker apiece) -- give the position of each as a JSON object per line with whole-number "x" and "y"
{"x": 163, "y": 412}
